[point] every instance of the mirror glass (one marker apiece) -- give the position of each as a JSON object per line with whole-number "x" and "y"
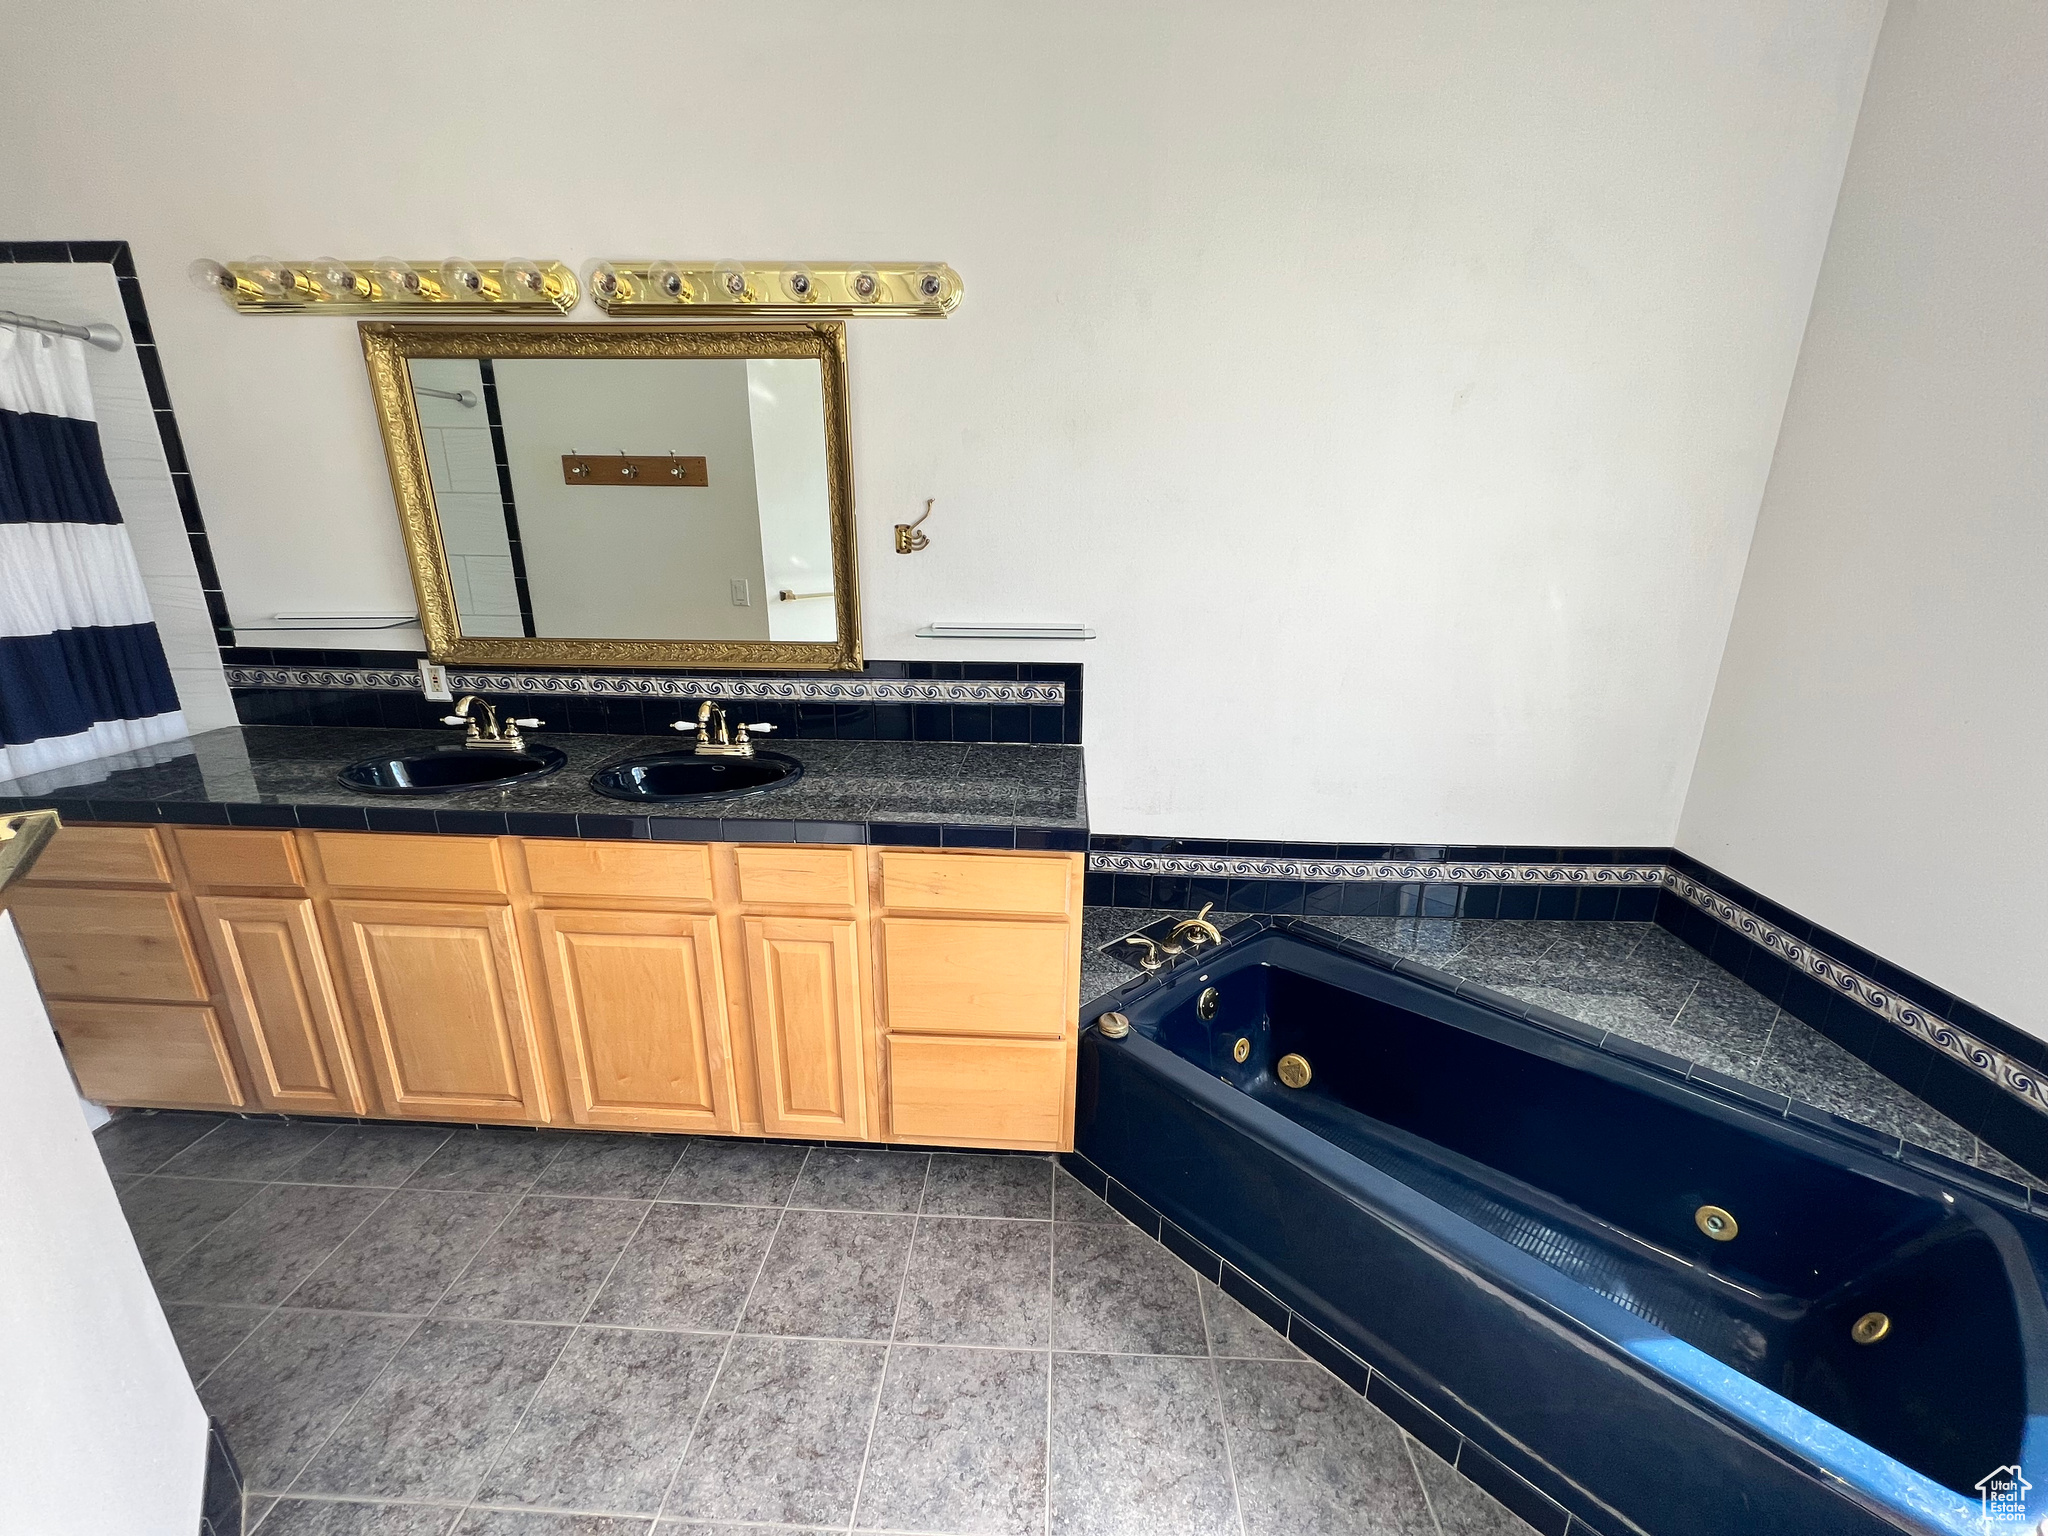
{"x": 683, "y": 508}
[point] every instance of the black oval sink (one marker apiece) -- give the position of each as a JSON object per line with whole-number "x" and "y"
{"x": 450, "y": 769}
{"x": 690, "y": 776}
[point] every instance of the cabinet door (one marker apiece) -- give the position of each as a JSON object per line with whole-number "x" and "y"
{"x": 958, "y": 976}
{"x": 147, "y": 1055}
{"x": 983, "y": 1093}
{"x": 438, "y": 995}
{"x": 803, "y": 984}
{"x": 639, "y": 1007}
{"x": 273, "y": 972}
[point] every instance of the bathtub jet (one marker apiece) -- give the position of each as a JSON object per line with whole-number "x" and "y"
{"x": 1668, "y": 1306}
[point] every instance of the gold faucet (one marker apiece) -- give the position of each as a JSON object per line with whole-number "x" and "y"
{"x": 1196, "y": 929}
{"x": 717, "y": 742}
{"x": 487, "y": 736}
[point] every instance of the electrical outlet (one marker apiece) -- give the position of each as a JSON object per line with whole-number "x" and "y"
{"x": 742, "y": 596}
{"x": 434, "y": 682}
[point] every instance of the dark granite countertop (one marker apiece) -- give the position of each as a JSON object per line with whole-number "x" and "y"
{"x": 913, "y": 793}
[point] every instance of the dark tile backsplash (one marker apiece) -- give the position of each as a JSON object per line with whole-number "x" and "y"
{"x": 1042, "y": 725}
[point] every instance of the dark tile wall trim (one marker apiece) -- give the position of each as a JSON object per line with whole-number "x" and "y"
{"x": 620, "y": 684}
{"x": 1462, "y": 1447}
{"x": 1230, "y": 867}
{"x": 115, "y": 253}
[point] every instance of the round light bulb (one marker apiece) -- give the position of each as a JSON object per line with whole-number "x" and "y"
{"x": 524, "y": 278}
{"x": 798, "y": 285}
{"x": 934, "y": 285}
{"x": 335, "y": 279}
{"x": 462, "y": 278}
{"x": 730, "y": 281}
{"x": 210, "y": 276}
{"x": 268, "y": 274}
{"x": 864, "y": 285}
{"x": 396, "y": 280}
{"x": 606, "y": 285}
{"x": 672, "y": 282}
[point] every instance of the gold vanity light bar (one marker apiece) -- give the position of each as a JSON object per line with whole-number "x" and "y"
{"x": 327, "y": 285}
{"x": 780, "y": 288}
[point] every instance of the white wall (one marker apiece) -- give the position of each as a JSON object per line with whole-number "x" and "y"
{"x": 78, "y": 293}
{"x": 1874, "y": 755}
{"x": 1412, "y": 370}
{"x": 100, "y": 1429}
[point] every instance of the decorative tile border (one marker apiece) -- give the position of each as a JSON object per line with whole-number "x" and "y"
{"x": 2015, "y": 1077}
{"x": 626, "y": 685}
{"x": 1218, "y": 866}
{"x": 2012, "y": 1075}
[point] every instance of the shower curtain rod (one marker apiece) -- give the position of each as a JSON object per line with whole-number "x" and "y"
{"x": 99, "y": 333}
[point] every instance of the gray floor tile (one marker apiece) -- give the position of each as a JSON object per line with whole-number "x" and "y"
{"x": 292, "y": 1381}
{"x": 403, "y": 1258}
{"x": 384, "y": 1155}
{"x": 971, "y": 1184}
{"x": 609, "y": 1424}
{"x": 263, "y": 1251}
{"x": 248, "y": 1149}
{"x": 622, "y": 1167}
{"x": 434, "y": 1420}
{"x": 546, "y": 1262}
{"x": 169, "y": 1217}
{"x": 1137, "y": 1448}
{"x": 736, "y": 1172}
{"x": 959, "y": 1444}
{"x": 1238, "y": 1333}
{"x": 513, "y": 1522}
{"x": 208, "y": 1335}
{"x": 689, "y": 1266}
{"x": 329, "y": 1517}
{"x": 1461, "y": 1506}
{"x": 1117, "y": 1291}
{"x": 784, "y": 1434}
{"x": 488, "y": 1161}
{"x": 1312, "y": 1457}
{"x": 143, "y": 1140}
{"x": 1075, "y": 1201}
{"x": 831, "y": 1274}
{"x": 861, "y": 1180}
{"x": 979, "y": 1281}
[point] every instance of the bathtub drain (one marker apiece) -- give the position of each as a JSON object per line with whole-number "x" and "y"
{"x": 1294, "y": 1070}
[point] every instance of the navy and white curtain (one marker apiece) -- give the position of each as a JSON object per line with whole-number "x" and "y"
{"x": 82, "y": 672}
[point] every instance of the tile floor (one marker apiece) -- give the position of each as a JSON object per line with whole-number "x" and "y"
{"x": 411, "y": 1331}
{"x": 1643, "y": 983}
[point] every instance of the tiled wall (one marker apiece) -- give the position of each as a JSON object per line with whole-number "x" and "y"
{"x": 966, "y": 701}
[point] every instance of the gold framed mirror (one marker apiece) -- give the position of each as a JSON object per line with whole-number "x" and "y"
{"x": 614, "y": 495}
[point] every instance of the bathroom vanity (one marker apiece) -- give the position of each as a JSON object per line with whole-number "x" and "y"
{"x": 780, "y": 989}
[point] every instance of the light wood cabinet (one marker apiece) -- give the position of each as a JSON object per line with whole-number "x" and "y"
{"x": 639, "y": 1010}
{"x": 442, "y": 1008}
{"x": 150, "y": 1055}
{"x": 281, "y": 997}
{"x": 804, "y": 990}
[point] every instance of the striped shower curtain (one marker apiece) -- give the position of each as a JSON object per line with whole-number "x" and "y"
{"x": 82, "y": 672}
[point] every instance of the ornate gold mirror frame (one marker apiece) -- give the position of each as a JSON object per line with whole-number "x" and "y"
{"x": 387, "y": 348}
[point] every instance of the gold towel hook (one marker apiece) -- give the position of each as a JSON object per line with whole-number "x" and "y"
{"x": 908, "y": 539}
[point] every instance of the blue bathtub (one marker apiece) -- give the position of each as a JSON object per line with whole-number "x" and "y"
{"x": 1504, "y": 1219}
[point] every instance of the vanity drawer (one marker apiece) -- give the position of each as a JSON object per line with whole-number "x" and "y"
{"x": 798, "y": 876}
{"x": 391, "y": 861}
{"x": 220, "y": 856}
{"x": 945, "y": 976}
{"x": 111, "y": 944}
{"x": 992, "y": 1093}
{"x": 147, "y": 1055}
{"x": 104, "y": 855}
{"x": 970, "y": 882}
{"x": 658, "y": 871}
